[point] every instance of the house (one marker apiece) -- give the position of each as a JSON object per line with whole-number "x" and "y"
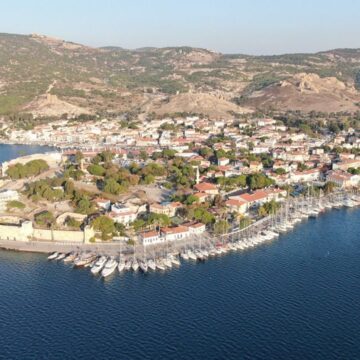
{"x": 237, "y": 206}
{"x": 276, "y": 194}
{"x": 343, "y": 179}
{"x": 255, "y": 166}
{"x": 265, "y": 122}
{"x": 122, "y": 214}
{"x": 305, "y": 176}
{"x": 202, "y": 197}
{"x": 195, "y": 228}
{"x": 223, "y": 161}
{"x": 247, "y": 200}
{"x": 299, "y": 156}
{"x": 256, "y": 198}
{"x": 260, "y": 149}
{"x": 150, "y": 238}
{"x": 166, "y": 208}
{"x": 346, "y": 164}
{"x": 103, "y": 203}
{"x": 207, "y": 188}
{"x": 174, "y": 233}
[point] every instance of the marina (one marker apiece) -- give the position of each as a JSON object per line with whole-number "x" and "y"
{"x": 163, "y": 259}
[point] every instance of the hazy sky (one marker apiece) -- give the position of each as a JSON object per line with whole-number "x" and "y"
{"x": 230, "y": 26}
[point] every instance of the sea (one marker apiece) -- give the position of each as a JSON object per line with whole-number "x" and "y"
{"x": 9, "y": 152}
{"x": 297, "y": 297}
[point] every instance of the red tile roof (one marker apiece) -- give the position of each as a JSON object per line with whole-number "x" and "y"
{"x": 204, "y": 187}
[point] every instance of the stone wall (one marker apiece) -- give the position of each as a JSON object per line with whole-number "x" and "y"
{"x": 25, "y": 232}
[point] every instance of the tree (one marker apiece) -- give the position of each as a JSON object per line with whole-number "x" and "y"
{"x": 105, "y": 226}
{"x": 96, "y": 170}
{"x": 79, "y": 156}
{"x": 244, "y": 222}
{"x": 280, "y": 171}
{"x": 201, "y": 214}
{"x": 168, "y": 153}
{"x": 143, "y": 155}
{"x": 148, "y": 179}
{"x": 158, "y": 219}
{"x": 72, "y": 222}
{"x": 206, "y": 152}
{"x": 138, "y": 224}
{"x": 269, "y": 207}
{"x": 191, "y": 199}
{"x": 354, "y": 171}
{"x": 31, "y": 168}
{"x": 329, "y": 187}
{"x": 262, "y": 211}
{"x": 106, "y": 156}
{"x": 44, "y": 218}
{"x": 84, "y": 206}
{"x": 111, "y": 186}
{"x": 258, "y": 181}
{"x": 302, "y": 167}
{"x": 15, "y": 204}
{"x": 120, "y": 228}
{"x": 221, "y": 227}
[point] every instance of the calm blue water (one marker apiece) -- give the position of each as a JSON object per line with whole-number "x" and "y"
{"x": 8, "y": 152}
{"x": 296, "y": 298}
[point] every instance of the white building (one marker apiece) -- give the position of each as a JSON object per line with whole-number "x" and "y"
{"x": 122, "y": 214}
{"x": 151, "y": 238}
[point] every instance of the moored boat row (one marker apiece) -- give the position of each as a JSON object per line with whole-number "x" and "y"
{"x": 287, "y": 217}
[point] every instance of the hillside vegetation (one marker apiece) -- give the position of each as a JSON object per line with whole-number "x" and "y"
{"x": 50, "y": 77}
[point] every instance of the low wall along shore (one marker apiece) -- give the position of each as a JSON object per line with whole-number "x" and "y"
{"x": 25, "y": 232}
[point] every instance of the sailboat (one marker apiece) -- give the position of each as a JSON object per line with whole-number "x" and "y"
{"x": 71, "y": 257}
{"x": 143, "y": 266}
{"x": 121, "y": 265}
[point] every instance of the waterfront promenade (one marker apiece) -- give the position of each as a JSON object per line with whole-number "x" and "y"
{"x": 288, "y": 209}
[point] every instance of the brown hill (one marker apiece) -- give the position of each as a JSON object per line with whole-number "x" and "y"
{"x": 200, "y": 103}
{"x": 307, "y": 92}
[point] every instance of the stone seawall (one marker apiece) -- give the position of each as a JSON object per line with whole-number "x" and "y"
{"x": 25, "y": 232}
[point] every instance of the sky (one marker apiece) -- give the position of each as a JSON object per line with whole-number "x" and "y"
{"x": 229, "y": 26}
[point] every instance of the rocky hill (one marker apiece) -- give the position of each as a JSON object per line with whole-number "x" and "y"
{"x": 50, "y": 77}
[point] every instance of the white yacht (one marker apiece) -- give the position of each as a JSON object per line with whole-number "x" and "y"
{"x": 184, "y": 255}
{"x": 175, "y": 260}
{"x": 205, "y": 253}
{"x": 167, "y": 262}
{"x": 61, "y": 256}
{"x": 109, "y": 267}
{"x": 191, "y": 255}
{"x": 53, "y": 255}
{"x": 99, "y": 264}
